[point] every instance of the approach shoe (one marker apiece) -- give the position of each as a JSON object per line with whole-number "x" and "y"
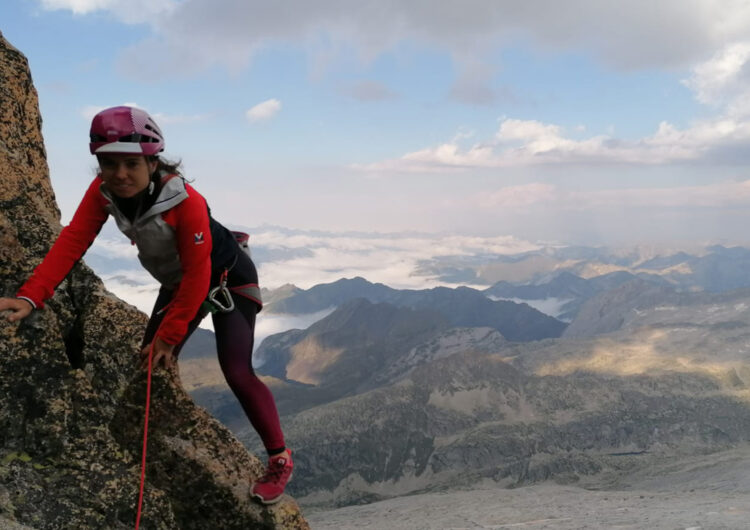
{"x": 269, "y": 488}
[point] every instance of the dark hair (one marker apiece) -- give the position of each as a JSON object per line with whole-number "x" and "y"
{"x": 168, "y": 166}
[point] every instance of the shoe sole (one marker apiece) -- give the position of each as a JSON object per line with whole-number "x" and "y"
{"x": 267, "y": 502}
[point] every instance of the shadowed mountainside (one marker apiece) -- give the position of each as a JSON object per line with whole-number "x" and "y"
{"x": 348, "y": 346}
{"x": 472, "y": 417}
{"x": 653, "y": 375}
{"x": 670, "y": 382}
{"x": 573, "y": 291}
{"x": 71, "y": 396}
{"x": 608, "y": 310}
{"x": 462, "y": 307}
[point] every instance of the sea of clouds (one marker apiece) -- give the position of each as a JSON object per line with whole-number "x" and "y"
{"x": 308, "y": 258}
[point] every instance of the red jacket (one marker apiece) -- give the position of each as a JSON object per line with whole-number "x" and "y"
{"x": 189, "y": 242}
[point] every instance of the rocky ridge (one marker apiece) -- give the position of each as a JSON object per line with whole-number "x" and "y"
{"x": 71, "y": 396}
{"x": 462, "y": 306}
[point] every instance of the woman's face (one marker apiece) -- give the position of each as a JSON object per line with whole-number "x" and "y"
{"x": 125, "y": 175}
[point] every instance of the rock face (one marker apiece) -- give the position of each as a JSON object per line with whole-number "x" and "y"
{"x": 71, "y": 396}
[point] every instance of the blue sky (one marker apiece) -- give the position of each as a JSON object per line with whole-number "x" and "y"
{"x": 579, "y": 122}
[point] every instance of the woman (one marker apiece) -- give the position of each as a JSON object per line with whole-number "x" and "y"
{"x": 197, "y": 261}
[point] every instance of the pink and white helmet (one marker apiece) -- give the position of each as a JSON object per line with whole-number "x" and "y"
{"x": 125, "y": 130}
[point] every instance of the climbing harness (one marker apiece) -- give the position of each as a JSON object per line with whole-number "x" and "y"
{"x": 243, "y": 239}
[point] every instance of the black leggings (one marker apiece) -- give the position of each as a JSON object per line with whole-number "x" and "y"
{"x": 234, "y": 345}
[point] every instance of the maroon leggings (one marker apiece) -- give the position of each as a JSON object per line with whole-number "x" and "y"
{"x": 234, "y": 344}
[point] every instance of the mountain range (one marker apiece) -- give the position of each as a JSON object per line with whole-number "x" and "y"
{"x": 670, "y": 380}
{"x": 462, "y": 306}
{"x": 712, "y": 268}
{"x": 352, "y": 348}
{"x": 643, "y": 372}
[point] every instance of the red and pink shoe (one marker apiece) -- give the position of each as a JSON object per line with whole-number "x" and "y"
{"x": 269, "y": 488}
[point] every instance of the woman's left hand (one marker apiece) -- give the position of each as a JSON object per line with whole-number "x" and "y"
{"x": 162, "y": 352}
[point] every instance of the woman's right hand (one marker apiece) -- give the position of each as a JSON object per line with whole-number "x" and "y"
{"x": 18, "y": 307}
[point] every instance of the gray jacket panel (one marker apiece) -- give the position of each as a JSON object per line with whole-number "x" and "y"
{"x": 155, "y": 239}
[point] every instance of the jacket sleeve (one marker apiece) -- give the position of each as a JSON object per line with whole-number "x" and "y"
{"x": 72, "y": 243}
{"x": 192, "y": 230}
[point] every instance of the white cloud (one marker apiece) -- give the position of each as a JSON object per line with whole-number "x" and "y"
{"x": 79, "y": 7}
{"x": 264, "y": 111}
{"x": 520, "y": 198}
{"x": 450, "y": 155}
{"x": 721, "y": 76}
{"x": 131, "y": 286}
{"x": 537, "y": 138}
{"x": 530, "y": 142}
{"x": 724, "y": 80}
{"x": 197, "y": 34}
{"x": 129, "y": 11}
{"x": 113, "y": 248}
{"x": 392, "y": 259}
{"x": 88, "y": 112}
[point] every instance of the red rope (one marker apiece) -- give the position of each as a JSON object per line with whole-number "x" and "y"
{"x": 145, "y": 436}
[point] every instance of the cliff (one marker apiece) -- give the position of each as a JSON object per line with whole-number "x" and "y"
{"x": 71, "y": 395}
